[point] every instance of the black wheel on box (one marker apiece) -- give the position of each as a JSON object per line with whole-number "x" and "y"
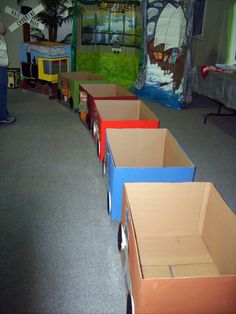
{"x": 98, "y": 147}
{"x": 108, "y": 202}
{"x": 129, "y": 306}
{"x": 104, "y": 167}
{"x": 88, "y": 121}
{"x": 71, "y": 103}
{"x": 94, "y": 130}
{"x": 59, "y": 94}
{"x": 119, "y": 237}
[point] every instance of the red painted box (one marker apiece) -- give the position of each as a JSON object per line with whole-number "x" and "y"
{"x": 103, "y": 91}
{"x": 120, "y": 114}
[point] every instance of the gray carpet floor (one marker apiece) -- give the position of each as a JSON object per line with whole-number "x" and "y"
{"x": 58, "y": 246}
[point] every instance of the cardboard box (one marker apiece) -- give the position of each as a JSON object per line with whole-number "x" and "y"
{"x": 68, "y": 86}
{"x": 121, "y": 114}
{"x": 104, "y": 91}
{"x": 181, "y": 248}
{"x": 143, "y": 155}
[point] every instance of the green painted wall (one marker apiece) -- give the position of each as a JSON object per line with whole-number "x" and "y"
{"x": 116, "y": 68}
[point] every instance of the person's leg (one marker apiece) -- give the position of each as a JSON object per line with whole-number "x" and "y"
{"x": 3, "y": 93}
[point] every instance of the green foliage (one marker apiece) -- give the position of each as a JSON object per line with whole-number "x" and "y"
{"x": 56, "y": 12}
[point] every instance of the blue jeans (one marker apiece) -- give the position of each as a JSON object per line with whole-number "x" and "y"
{"x": 3, "y": 93}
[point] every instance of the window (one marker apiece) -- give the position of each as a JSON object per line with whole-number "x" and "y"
{"x": 55, "y": 66}
{"x": 198, "y": 18}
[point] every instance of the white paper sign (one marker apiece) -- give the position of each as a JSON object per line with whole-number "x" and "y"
{"x": 27, "y": 18}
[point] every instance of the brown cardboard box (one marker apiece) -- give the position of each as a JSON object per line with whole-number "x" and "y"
{"x": 181, "y": 248}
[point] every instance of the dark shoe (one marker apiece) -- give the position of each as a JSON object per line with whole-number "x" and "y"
{"x": 8, "y": 120}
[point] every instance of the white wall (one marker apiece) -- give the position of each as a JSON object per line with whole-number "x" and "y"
{"x": 212, "y": 47}
{"x": 14, "y": 39}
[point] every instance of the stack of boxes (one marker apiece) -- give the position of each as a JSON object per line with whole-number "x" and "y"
{"x": 176, "y": 237}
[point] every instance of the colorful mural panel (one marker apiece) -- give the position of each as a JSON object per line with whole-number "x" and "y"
{"x": 111, "y": 24}
{"x": 165, "y": 51}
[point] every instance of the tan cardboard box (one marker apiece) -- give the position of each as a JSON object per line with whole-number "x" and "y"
{"x": 181, "y": 254}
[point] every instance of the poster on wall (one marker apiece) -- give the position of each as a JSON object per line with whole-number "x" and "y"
{"x": 165, "y": 51}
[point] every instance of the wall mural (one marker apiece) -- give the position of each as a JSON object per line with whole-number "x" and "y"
{"x": 166, "y": 51}
{"x": 111, "y": 24}
{"x": 110, "y": 37}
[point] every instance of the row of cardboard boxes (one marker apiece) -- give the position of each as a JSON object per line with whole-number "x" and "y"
{"x": 177, "y": 238}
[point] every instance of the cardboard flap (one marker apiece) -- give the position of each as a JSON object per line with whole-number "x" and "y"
{"x": 156, "y": 272}
{"x": 105, "y": 90}
{"x": 195, "y": 270}
{"x": 121, "y": 91}
{"x": 92, "y": 76}
{"x": 219, "y": 232}
{"x": 145, "y": 113}
{"x": 172, "y": 251}
{"x": 170, "y": 271}
{"x": 165, "y": 209}
{"x": 174, "y": 154}
{"x": 117, "y": 109}
{"x": 98, "y": 90}
{"x": 80, "y": 76}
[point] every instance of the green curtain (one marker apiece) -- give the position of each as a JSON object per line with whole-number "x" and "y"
{"x": 230, "y": 18}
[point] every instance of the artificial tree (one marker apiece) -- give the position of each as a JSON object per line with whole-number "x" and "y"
{"x": 55, "y": 13}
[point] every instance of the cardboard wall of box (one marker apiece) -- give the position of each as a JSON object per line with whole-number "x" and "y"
{"x": 122, "y": 114}
{"x": 147, "y": 155}
{"x": 182, "y": 252}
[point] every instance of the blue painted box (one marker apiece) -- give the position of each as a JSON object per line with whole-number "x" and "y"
{"x": 142, "y": 155}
